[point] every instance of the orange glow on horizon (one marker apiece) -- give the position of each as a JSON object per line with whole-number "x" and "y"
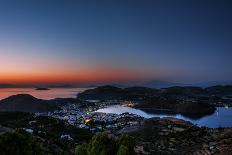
{"x": 21, "y": 65}
{"x": 71, "y": 76}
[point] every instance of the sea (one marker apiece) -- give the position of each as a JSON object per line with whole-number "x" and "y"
{"x": 222, "y": 117}
{"x": 42, "y": 94}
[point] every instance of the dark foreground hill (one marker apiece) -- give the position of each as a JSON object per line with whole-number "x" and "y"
{"x": 169, "y": 136}
{"x": 26, "y": 133}
{"x": 26, "y": 103}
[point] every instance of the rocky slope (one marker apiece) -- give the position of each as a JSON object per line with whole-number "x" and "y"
{"x": 174, "y": 136}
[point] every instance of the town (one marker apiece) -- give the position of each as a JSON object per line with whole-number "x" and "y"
{"x": 94, "y": 121}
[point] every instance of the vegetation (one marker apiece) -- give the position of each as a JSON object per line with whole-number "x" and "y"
{"x": 20, "y": 142}
{"x": 47, "y": 128}
{"x": 15, "y": 119}
{"x": 103, "y": 145}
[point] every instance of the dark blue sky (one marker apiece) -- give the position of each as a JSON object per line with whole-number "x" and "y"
{"x": 187, "y": 40}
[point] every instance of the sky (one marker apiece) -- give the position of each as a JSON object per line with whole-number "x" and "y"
{"x": 89, "y": 41}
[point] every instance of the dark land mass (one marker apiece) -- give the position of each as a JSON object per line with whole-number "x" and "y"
{"x": 111, "y": 92}
{"x": 169, "y": 136}
{"x": 162, "y": 84}
{"x": 116, "y": 93}
{"x": 26, "y": 103}
{"x": 102, "y": 93}
{"x": 193, "y": 102}
{"x": 220, "y": 90}
{"x": 46, "y": 126}
{"x": 170, "y": 105}
{"x": 188, "y": 101}
{"x": 213, "y": 83}
{"x": 185, "y": 91}
{"x": 44, "y": 136}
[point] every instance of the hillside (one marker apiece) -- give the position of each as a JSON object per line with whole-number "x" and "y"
{"x": 26, "y": 103}
{"x": 161, "y": 84}
{"x": 220, "y": 90}
{"x": 26, "y": 133}
{"x": 102, "y": 93}
{"x": 169, "y": 136}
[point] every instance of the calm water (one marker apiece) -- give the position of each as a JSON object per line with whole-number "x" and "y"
{"x": 221, "y": 118}
{"x": 42, "y": 94}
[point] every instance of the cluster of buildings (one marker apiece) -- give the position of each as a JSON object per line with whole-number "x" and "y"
{"x": 88, "y": 118}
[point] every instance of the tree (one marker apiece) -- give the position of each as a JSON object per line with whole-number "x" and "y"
{"x": 123, "y": 150}
{"x": 103, "y": 145}
{"x": 81, "y": 149}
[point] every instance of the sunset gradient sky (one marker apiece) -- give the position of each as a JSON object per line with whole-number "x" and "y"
{"x": 87, "y": 41}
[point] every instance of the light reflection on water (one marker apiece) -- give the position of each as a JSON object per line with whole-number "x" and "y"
{"x": 221, "y": 118}
{"x": 42, "y": 94}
